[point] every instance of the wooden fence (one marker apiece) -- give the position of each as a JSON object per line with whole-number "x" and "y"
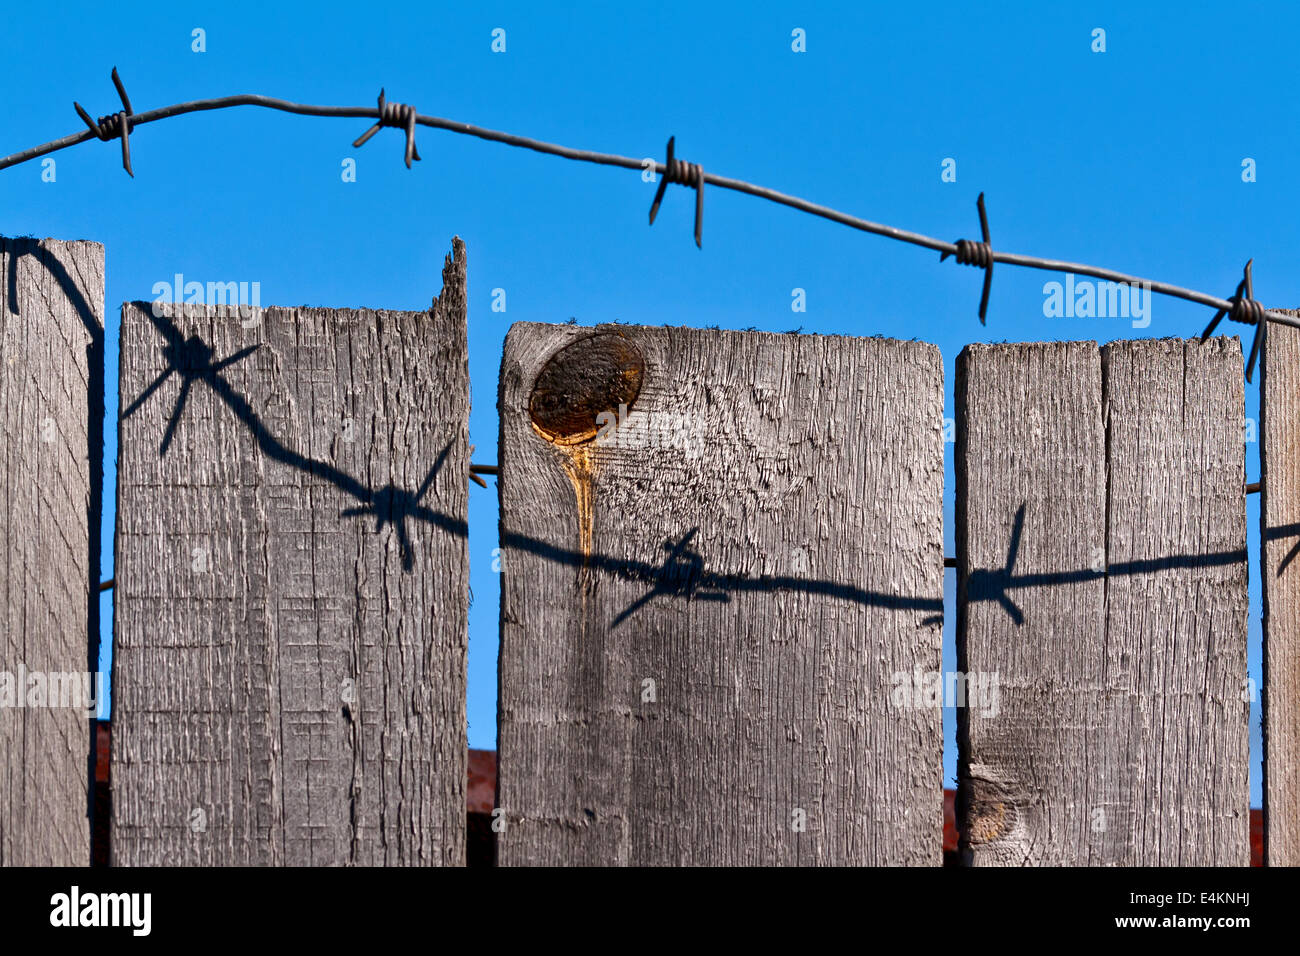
{"x": 722, "y": 590}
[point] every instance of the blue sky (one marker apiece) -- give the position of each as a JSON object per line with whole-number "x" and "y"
{"x": 1129, "y": 158}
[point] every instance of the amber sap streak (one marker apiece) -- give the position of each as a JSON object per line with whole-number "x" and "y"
{"x": 579, "y": 465}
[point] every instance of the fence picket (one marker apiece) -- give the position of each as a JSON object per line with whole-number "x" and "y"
{"x": 1279, "y": 451}
{"x": 51, "y": 425}
{"x": 292, "y": 585}
{"x": 704, "y": 607}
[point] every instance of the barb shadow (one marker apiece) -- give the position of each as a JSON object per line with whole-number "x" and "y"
{"x": 992, "y": 584}
{"x": 1285, "y": 531}
{"x": 680, "y": 575}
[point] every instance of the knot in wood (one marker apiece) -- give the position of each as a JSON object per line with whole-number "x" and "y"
{"x": 597, "y": 373}
{"x": 993, "y": 813}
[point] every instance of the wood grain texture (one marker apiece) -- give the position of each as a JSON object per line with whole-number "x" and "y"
{"x": 292, "y": 585}
{"x": 1279, "y": 452}
{"x": 1122, "y": 732}
{"x": 704, "y": 609}
{"x": 51, "y": 421}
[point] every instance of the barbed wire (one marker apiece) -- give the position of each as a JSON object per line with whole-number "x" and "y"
{"x": 1240, "y": 307}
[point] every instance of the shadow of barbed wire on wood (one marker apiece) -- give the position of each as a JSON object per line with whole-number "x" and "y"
{"x": 992, "y": 584}
{"x": 194, "y": 361}
{"x": 682, "y": 575}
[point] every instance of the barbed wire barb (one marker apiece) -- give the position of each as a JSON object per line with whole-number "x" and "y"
{"x": 970, "y": 253}
{"x": 1256, "y": 311}
{"x": 398, "y": 116}
{"x": 114, "y": 125}
{"x": 684, "y": 174}
{"x": 1245, "y": 309}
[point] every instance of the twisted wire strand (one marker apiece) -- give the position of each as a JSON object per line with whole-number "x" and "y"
{"x": 971, "y": 253}
{"x": 397, "y": 116}
{"x": 684, "y": 174}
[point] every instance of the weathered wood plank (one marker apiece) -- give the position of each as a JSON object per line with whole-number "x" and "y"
{"x": 292, "y": 585}
{"x": 704, "y": 608}
{"x": 1122, "y": 736}
{"x": 1176, "y": 598}
{"x": 1031, "y": 537}
{"x": 1279, "y": 452}
{"x": 51, "y": 426}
